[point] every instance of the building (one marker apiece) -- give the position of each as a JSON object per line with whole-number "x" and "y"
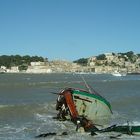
{"x": 13, "y": 69}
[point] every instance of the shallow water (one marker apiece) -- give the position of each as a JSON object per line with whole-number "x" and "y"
{"x": 27, "y": 104}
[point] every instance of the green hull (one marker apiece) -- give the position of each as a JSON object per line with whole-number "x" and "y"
{"x": 125, "y": 129}
{"x": 128, "y": 129}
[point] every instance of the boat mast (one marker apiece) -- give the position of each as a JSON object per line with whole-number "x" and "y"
{"x": 90, "y": 89}
{"x": 86, "y": 84}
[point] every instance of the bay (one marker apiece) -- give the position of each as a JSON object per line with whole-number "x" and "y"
{"x": 27, "y": 104}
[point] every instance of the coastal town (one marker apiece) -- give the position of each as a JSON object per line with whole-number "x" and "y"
{"x": 103, "y": 63}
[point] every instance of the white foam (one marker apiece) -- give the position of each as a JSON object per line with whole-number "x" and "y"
{"x": 42, "y": 117}
{"x": 4, "y": 106}
{"x": 134, "y": 123}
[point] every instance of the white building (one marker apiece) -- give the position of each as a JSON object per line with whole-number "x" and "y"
{"x": 92, "y": 61}
{"x": 37, "y": 63}
{"x": 13, "y": 69}
{"x": 3, "y": 67}
{"x": 109, "y": 56}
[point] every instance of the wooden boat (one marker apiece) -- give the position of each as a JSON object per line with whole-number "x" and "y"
{"x": 88, "y": 109}
{"x": 75, "y": 103}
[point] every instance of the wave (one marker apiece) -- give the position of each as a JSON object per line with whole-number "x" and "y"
{"x": 44, "y": 123}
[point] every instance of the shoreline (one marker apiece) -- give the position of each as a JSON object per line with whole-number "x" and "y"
{"x": 82, "y": 73}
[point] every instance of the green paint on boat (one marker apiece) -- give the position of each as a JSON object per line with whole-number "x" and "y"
{"x": 92, "y": 96}
{"x": 125, "y": 129}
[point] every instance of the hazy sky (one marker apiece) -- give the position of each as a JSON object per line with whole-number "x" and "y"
{"x": 69, "y": 29}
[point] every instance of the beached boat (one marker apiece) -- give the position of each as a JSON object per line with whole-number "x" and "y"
{"x": 88, "y": 110}
{"x": 73, "y": 103}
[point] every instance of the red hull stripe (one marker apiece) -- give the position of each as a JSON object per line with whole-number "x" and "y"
{"x": 70, "y": 104}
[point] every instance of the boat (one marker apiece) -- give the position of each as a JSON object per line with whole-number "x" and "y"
{"x": 89, "y": 111}
{"x": 123, "y": 129}
{"x": 76, "y": 103}
{"x": 116, "y": 73}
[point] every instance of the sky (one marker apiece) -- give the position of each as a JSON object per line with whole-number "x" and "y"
{"x": 69, "y": 29}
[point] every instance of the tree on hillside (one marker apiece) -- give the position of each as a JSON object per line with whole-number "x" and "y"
{"x": 5, "y": 61}
{"x": 130, "y": 54}
{"x": 17, "y": 60}
{"x": 138, "y": 55}
{"x": 81, "y": 61}
{"x": 23, "y": 67}
{"x": 26, "y": 59}
{"x": 101, "y": 57}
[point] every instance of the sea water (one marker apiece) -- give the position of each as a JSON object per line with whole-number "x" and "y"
{"x": 27, "y": 104}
